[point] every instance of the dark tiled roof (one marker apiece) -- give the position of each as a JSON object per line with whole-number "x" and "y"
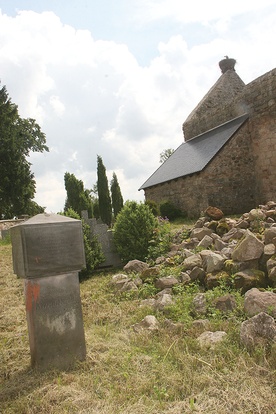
{"x": 192, "y": 156}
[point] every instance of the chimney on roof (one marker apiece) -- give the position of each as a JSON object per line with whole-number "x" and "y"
{"x": 227, "y": 64}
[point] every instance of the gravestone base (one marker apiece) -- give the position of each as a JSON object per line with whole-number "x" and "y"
{"x": 55, "y": 324}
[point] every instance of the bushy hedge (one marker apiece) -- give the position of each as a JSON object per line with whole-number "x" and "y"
{"x": 153, "y": 206}
{"x": 133, "y": 231}
{"x": 167, "y": 209}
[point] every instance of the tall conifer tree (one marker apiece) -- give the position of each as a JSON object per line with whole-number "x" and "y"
{"x": 78, "y": 198}
{"x": 103, "y": 193}
{"x": 116, "y": 195}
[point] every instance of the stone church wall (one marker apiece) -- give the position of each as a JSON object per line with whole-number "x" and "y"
{"x": 243, "y": 174}
{"x": 228, "y": 182}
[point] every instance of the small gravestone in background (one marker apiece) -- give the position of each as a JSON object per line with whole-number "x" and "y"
{"x": 105, "y": 238}
{"x": 48, "y": 253}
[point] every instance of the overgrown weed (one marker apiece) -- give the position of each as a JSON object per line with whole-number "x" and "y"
{"x": 162, "y": 372}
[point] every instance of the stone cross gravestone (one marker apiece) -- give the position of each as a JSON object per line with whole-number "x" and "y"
{"x": 48, "y": 253}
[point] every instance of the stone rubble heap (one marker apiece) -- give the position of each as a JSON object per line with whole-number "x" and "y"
{"x": 239, "y": 252}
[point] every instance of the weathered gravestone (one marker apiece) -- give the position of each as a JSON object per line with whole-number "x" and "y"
{"x": 105, "y": 238}
{"x": 48, "y": 253}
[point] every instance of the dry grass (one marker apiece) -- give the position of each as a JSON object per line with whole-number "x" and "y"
{"x": 126, "y": 372}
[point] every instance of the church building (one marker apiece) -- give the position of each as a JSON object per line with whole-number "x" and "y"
{"x": 228, "y": 157}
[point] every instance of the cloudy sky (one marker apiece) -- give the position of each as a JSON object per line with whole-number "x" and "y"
{"x": 118, "y": 78}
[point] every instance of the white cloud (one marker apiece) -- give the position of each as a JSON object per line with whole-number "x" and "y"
{"x": 92, "y": 98}
{"x": 57, "y": 105}
{"x": 198, "y": 10}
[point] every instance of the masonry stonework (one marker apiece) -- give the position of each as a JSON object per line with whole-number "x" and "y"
{"x": 243, "y": 174}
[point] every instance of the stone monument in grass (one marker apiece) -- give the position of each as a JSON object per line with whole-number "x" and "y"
{"x": 48, "y": 253}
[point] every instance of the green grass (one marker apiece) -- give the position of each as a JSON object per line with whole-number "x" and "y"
{"x": 126, "y": 372}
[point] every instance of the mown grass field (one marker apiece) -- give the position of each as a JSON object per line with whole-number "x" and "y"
{"x": 127, "y": 372}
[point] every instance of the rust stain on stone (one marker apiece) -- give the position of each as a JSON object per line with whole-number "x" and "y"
{"x": 32, "y": 294}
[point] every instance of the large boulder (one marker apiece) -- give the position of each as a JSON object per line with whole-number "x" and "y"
{"x": 271, "y": 269}
{"x": 249, "y": 248}
{"x": 214, "y": 213}
{"x": 215, "y": 279}
{"x": 270, "y": 235}
{"x": 199, "y": 304}
{"x": 212, "y": 262}
{"x": 258, "y": 331}
{"x": 248, "y": 278}
{"x": 163, "y": 301}
{"x": 211, "y": 339}
{"x": 256, "y": 214}
{"x": 150, "y": 273}
{"x": 256, "y": 301}
{"x": 192, "y": 261}
{"x": 135, "y": 266}
{"x": 118, "y": 281}
{"x": 166, "y": 282}
{"x": 149, "y": 323}
{"x": 200, "y": 233}
{"x": 226, "y": 303}
{"x": 197, "y": 273}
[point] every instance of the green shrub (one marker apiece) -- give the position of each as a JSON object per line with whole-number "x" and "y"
{"x": 154, "y": 207}
{"x": 167, "y": 209}
{"x": 133, "y": 231}
{"x": 92, "y": 248}
{"x": 161, "y": 241}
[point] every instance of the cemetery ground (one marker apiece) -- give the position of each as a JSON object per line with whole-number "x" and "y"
{"x": 126, "y": 371}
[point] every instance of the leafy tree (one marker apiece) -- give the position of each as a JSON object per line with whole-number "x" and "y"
{"x": 18, "y": 137}
{"x": 133, "y": 231}
{"x": 103, "y": 193}
{"x": 164, "y": 155}
{"x": 116, "y": 195}
{"x": 78, "y": 198}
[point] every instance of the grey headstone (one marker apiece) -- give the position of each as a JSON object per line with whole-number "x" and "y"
{"x": 55, "y": 324}
{"x": 47, "y": 244}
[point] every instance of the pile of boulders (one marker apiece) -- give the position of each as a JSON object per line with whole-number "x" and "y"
{"x": 238, "y": 252}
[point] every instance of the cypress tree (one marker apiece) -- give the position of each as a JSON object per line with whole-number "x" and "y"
{"x": 103, "y": 193}
{"x": 78, "y": 198}
{"x": 116, "y": 195}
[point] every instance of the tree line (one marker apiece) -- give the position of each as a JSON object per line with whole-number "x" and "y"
{"x": 18, "y": 138}
{"x": 100, "y": 202}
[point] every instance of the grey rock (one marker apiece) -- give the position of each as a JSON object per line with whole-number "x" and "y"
{"x": 192, "y": 261}
{"x": 212, "y": 262}
{"x": 197, "y": 273}
{"x": 135, "y": 266}
{"x": 129, "y": 286}
{"x": 226, "y": 303}
{"x": 201, "y": 324}
{"x": 166, "y": 282}
{"x": 258, "y": 331}
{"x": 199, "y": 233}
{"x": 207, "y": 241}
{"x": 119, "y": 280}
{"x": 233, "y": 234}
{"x": 256, "y": 301}
{"x": 200, "y": 304}
{"x": 163, "y": 301}
{"x": 211, "y": 339}
{"x": 149, "y": 323}
{"x": 269, "y": 235}
{"x": 185, "y": 278}
{"x": 249, "y": 248}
